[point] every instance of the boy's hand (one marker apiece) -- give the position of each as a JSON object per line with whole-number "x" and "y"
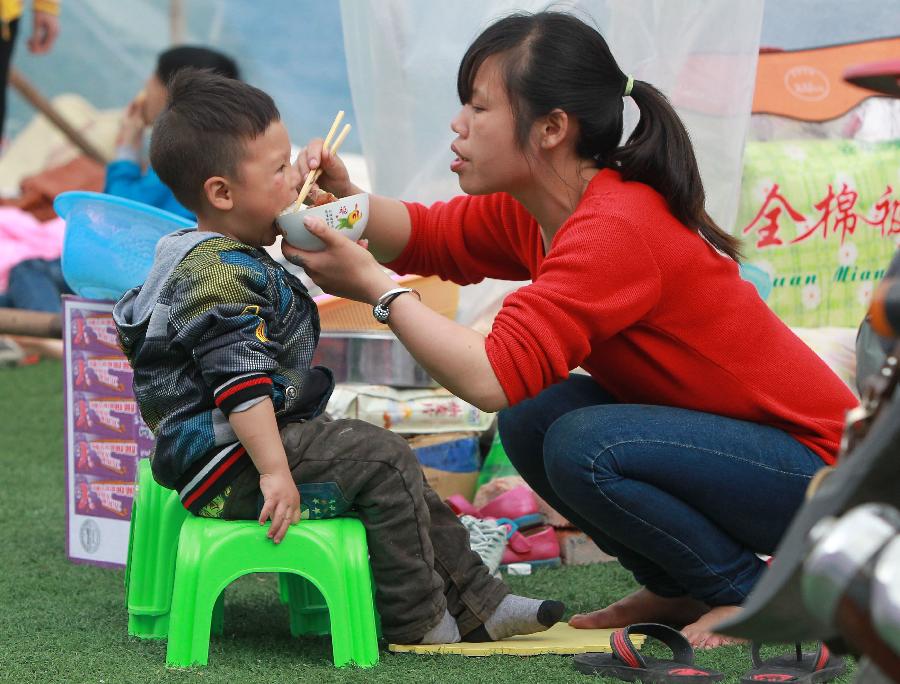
{"x": 257, "y": 430}
{"x": 282, "y": 503}
{"x": 334, "y": 178}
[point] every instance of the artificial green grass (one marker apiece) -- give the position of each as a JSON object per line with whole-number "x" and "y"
{"x": 63, "y": 622}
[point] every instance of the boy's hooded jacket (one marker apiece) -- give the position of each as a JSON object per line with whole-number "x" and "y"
{"x": 216, "y": 327}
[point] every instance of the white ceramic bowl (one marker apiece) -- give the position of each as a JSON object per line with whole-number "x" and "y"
{"x": 347, "y": 215}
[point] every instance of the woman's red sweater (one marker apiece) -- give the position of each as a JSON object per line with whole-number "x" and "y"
{"x": 653, "y": 312}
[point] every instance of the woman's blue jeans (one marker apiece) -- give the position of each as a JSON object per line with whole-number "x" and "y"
{"x": 685, "y": 500}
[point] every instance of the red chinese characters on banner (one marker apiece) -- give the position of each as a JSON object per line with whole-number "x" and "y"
{"x": 844, "y": 219}
{"x": 769, "y": 232}
{"x": 887, "y": 214}
{"x": 836, "y": 216}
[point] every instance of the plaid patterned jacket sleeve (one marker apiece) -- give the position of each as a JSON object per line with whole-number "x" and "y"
{"x": 223, "y": 319}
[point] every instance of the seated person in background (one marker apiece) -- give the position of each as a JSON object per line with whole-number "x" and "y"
{"x": 125, "y": 176}
{"x": 221, "y": 338}
{"x": 37, "y": 284}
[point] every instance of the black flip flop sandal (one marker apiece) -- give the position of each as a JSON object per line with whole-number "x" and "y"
{"x": 800, "y": 668}
{"x": 627, "y": 664}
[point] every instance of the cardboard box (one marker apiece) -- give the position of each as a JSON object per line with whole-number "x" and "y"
{"x": 450, "y": 461}
{"x": 576, "y": 548}
{"x": 447, "y": 484}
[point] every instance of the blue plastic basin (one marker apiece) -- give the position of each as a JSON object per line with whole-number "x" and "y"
{"x": 110, "y": 241}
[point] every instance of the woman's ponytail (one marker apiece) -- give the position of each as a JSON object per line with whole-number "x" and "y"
{"x": 659, "y": 153}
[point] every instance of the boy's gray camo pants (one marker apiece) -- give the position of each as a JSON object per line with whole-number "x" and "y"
{"x": 419, "y": 551}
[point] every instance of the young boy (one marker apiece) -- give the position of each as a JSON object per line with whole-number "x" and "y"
{"x": 221, "y": 339}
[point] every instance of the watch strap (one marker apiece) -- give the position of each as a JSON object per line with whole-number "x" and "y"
{"x": 381, "y": 310}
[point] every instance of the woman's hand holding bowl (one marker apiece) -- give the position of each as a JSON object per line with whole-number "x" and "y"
{"x": 343, "y": 268}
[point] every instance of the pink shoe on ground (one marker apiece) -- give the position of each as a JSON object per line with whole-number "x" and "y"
{"x": 517, "y": 504}
{"x": 462, "y": 506}
{"x": 538, "y": 547}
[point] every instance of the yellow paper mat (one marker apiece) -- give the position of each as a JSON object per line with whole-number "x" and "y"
{"x": 561, "y": 639}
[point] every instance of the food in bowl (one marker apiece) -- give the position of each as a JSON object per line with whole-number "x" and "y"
{"x": 348, "y": 215}
{"x": 318, "y": 197}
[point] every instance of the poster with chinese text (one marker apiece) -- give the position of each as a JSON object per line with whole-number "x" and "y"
{"x": 105, "y": 435}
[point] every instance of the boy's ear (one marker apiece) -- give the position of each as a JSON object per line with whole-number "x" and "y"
{"x": 218, "y": 193}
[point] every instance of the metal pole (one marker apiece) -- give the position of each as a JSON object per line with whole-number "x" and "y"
{"x": 176, "y": 22}
{"x": 43, "y": 105}
{"x": 33, "y": 323}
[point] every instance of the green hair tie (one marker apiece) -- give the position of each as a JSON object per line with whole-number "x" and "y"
{"x": 628, "y": 86}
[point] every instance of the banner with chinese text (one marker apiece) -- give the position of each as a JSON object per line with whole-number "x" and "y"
{"x": 822, "y": 217}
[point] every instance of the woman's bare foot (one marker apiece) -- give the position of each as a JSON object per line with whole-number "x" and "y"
{"x": 700, "y": 633}
{"x": 643, "y": 606}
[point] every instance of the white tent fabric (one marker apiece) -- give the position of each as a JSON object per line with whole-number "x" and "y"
{"x": 403, "y": 55}
{"x": 402, "y": 59}
{"x": 106, "y": 49}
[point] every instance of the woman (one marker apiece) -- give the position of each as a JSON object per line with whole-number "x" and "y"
{"x": 688, "y": 449}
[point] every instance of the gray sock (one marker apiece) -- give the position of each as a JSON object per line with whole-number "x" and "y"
{"x": 521, "y": 615}
{"x": 444, "y": 632}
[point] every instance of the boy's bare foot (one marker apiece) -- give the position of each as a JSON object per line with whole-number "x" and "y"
{"x": 643, "y": 606}
{"x": 700, "y": 633}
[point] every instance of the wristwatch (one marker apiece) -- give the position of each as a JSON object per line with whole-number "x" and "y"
{"x": 382, "y": 310}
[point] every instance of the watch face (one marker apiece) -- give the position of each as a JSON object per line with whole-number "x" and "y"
{"x": 381, "y": 313}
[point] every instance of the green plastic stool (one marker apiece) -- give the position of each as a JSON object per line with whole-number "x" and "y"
{"x": 306, "y": 606}
{"x": 156, "y": 519}
{"x": 178, "y": 594}
{"x": 308, "y": 610}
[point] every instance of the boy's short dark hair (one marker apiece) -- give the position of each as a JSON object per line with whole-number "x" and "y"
{"x": 203, "y": 129}
{"x": 175, "y": 59}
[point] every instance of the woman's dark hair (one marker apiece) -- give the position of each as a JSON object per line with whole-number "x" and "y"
{"x": 552, "y": 60}
{"x": 172, "y": 60}
{"x": 204, "y": 130}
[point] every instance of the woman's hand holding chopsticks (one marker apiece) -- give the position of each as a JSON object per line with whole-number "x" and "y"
{"x": 334, "y": 178}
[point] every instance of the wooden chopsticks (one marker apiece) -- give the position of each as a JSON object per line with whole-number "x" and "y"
{"x": 314, "y": 174}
